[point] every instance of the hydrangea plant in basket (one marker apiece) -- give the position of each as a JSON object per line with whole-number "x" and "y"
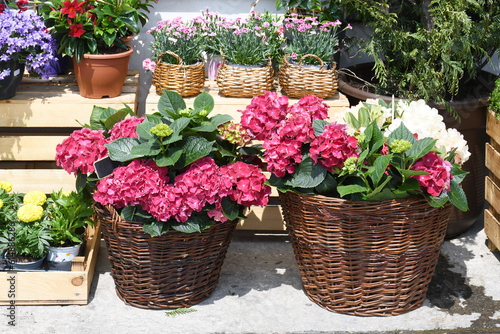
{"x": 179, "y": 183}
{"x": 369, "y": 194}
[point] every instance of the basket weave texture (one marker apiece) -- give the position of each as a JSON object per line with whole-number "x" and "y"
{"x": 365, "y": 258}
{"x": 236, "y": 81}
{"x": 187, "y": 80}
{"x": 298, "y": 80}
{"x": 167, "y": 272}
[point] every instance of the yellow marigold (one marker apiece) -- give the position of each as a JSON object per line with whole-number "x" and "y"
{"x": 5, "y": 185}
{"x": 29, "y": 213}
{"x": 36, "y": 197}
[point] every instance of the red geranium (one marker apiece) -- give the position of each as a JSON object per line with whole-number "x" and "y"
{"x": 71, "y": 8}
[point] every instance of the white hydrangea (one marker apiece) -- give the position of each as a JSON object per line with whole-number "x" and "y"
{"x": 450, "y": 139}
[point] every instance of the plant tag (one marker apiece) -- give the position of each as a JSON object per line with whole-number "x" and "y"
{"x": 16, "y": 72}
{"x": 105, "y": 167}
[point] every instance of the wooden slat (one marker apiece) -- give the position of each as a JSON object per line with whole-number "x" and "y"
{"x": 492, "y": 194}
{"x": 46, "y": 180}
{"x": 492, "y": 160}
{"x": 29, "y": 148}
{"x": 267, "y": 218}
{"x": 493, "y": 126}
{"x": 492, "y": 230}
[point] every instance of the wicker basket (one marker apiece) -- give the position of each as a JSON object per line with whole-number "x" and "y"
{"x": 298, "y": 80}
{"x": 171, "y": 271}
{"x": 365, "y": 258}
{"x": 236, "y": 81}
{"x": 187, "y": 80}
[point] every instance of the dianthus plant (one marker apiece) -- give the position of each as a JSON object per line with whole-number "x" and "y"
{"x": 356, "y": 160}
{"x": 177, "y": 168}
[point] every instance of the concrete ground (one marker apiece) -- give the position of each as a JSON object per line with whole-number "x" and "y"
{"x": 260, "y": 292}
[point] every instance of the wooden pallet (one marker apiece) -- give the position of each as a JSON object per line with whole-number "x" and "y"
{"x": 41, "y": 115}
{"x": 55, "y": 287}
{"x": 492, "y": 183}
{"x": 268, "y": 218}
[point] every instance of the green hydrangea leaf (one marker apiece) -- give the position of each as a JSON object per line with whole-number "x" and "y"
{"x": 196, "y": 148}
{"x": 307, "y": 175}
{"x": 155, "y": 229}
{"x": 420, "y": 148}
{"x": 351, "y": 189}
{"x": 121, "y": 149}
{"x": 170, "y": 103}
{"x": 173, "y": 155}
{"x": 230, "y": 208}
{"x": 319, "y": 126}
{"x": 205, "y": 126}
{"x": 457, "y": 196}
{"x": 196, "y": 223}
{"x": 204, "y": 101}
{"x": 220, "y": 119}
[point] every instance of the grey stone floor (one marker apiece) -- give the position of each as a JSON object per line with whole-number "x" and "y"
{"x": 260, "y": 292}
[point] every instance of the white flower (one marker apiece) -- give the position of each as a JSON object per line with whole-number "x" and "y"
{"x": 451, "y": 139}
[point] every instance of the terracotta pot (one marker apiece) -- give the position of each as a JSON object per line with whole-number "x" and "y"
{"x": 101, "y": 76}
{"x": 472, "y": 126}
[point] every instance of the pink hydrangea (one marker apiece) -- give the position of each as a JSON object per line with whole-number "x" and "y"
{"x": 314, "y": 105}
{"x": 282, "y": 155}
{"x": 298, "y": 126}
{"x": 80, "y": 150}
{"x": 125, "y": 128}
{"x": 439, "y": 176}
{"x": 262, "y": 116}
{"x": 331, "y": 148}
{"x": 134, "y": 184}
{"x": 248, "y": 184}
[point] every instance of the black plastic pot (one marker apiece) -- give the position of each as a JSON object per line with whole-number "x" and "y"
{"x": 8, "y": 85}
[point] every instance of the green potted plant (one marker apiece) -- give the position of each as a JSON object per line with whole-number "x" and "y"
{"x": 69, "y": 215}
{"x": 24, "y": 43}
{"x": 363, "y": 197}
{"x": 324, "y": 10}
{"x": 170, "y": 189}
{"x": 91, "y": 32}
{"x": 25, "y": 233}
{"x": 436, "y": 51}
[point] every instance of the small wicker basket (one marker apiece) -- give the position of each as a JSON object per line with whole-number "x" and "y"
{"x": 365, "y": 258}
{"x": 236, "y": 81}
{"x": 166, "y": 272}
{"x": 187, "y": 80}
{"x": 298, "y": 80}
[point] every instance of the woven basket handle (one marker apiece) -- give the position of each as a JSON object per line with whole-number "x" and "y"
{"x": 173, "y": 54}
{"x": 311, "y": 55}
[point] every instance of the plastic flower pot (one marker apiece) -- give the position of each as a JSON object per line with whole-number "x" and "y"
{"x": 8, "y": 85}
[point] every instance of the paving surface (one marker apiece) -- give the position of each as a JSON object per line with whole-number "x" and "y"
{"x": 260, "y": 292}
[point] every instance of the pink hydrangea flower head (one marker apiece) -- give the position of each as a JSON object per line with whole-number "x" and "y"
{"x": 331, "y": 148}
{"x": 297, "y": 126}
{"x": 439, "y": 176}
{"x": 282, "y": 155}
{"x": 125, "y": 128}
{"x": 248, "y": 184}
{"x": 80, "y": 150}
{"x": 262, "y": 116}
{"x": 313, "y": 105}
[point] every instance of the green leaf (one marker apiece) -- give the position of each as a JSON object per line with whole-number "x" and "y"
{"x": 180, "y": 124}
{"x": 204, "y": 101}
{"x": 373, "y": 195}
{"x": 170, "y": 101}
{"x": 307, "y": 175}
{"x": 196, "y": 148}
{"x": 379, "y": 168}
{"x": 420, "y": 148}
{"x": 411, "y": 184}
{"x": 120, "y": 149}
{"x": 328, "y": 186}
{"x": 96, "y": 116}
{"x": 196, "y": 223}
{"x": 144, "y": 150}
{"x": 173, "y": 155}
{"x": 117, "y": 116}
{"x": 401, "y": 132}
{"x": 457, "y": 196}
{"x": 155, "y": 229}
{"x": 230, "y": 208}
{"x": 174, "y": 137}
{"x": 351, "y": 189}
{"x": 220, "y": 119}
{"x": 319, "y": 126}
{"x": 143, "y": 130}
{"x": 458, "y": 174}
{"x": 205, "y": 126}
{"x": 438, "y": 201}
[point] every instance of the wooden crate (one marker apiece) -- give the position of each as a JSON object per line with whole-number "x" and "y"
{"x": 41, "y": 115}
{"x": 55, "y": 287}
{"x": 268, "y": 218}
{"x": 492, "y": 183}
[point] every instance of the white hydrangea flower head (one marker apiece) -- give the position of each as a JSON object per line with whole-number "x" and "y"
{"x": 451, "y": 139}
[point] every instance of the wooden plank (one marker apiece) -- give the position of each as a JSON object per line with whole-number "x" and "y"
{"x": 29, "y": 148}
{"x": 46, "y": 180}
{"x": 54, "y": 287}
{"x": 267, "y": 218}
{"x": 492, "y": 230}
{"x": 492, "y": 160}
{"x": 492, "y": 194}
{"x": 493, "y": 126}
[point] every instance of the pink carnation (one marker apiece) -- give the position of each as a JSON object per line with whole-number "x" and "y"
{"x": 134, "y": 184}
{"x": 80, "y": 150}
{"x": 333, "y": 147}
{"x": 262, "y": 116}
{"x": 125, "y": 128}
{"x": 313, "y": 105}
{"x": 248, "y": 181}
{"x": 439, "y": 176}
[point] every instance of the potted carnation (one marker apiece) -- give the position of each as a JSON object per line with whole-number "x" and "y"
{"x": 366, "y": 199}
{"x": 169, "y": 189}
{"x": 24, "y": 44}
{"x": 92, "y": 32}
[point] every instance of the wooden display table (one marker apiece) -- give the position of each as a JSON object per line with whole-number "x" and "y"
{"x": 268, "y": 218}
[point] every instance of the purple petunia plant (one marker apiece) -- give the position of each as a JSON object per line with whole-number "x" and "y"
{"x": 24, "y": 38}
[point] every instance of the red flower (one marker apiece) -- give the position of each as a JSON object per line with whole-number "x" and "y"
{"x": 76, "y": 30}
{"x": 21, "y": 4}
{"x": 71, "y": 8}
{"x": 439, "y": 176}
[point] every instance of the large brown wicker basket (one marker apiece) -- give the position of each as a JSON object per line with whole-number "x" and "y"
{"x": 171, "y": 271}
{"x": 365, "y": 258}
{"x": 298, "y": 80}
{"x": 235, "y": 81}
{"x": 187, "y": 80}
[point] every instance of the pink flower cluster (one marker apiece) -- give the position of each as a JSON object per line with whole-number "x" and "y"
{"x": 313, "y": 105}
{"x": 80, "y": 150}
{"x": 331, "y": 148}
{"x": 262, "y": 116}
{"x": 149, "y": 65}
{"x": 134, "y": 184}
{"x": 439, "y": 176}
{"x": 203, "y": 182}
{"x": 125, "y": 128}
